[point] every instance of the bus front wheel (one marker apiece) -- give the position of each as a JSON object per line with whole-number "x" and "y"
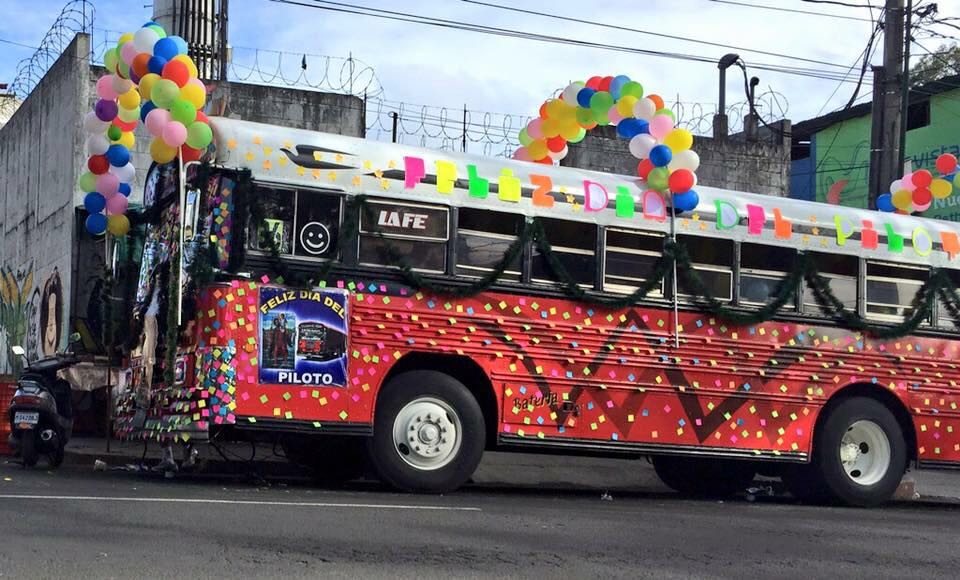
{"x": 429, "y": 433}
{"x": 703, "y": 476}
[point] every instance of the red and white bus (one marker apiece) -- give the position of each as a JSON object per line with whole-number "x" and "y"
{"x": 434, "y": 347}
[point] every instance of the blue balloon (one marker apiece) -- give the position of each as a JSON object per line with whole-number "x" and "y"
{"x": 96, "y": 223}
{"x": 660, "y": 156}
{"x": 145, "y": 109}
{"x": 616, "y": 85}
{"x": 630, "y": 128}
{"x": 125, "y": 189}
{"x": 150, "y": 23}
{"x": 686, "y": 201}
{"x": 885, "y": 203}
{"x": 166, "y": 48}
{"x": 94, "y": 202}
{"x": 181, "y": 44}
{"x": 118, "y": 155}
{"x": 583, "y": 97}
{"x": 156, "y": 64}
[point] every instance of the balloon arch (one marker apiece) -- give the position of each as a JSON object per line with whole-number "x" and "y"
{"x": 666, "y": 160}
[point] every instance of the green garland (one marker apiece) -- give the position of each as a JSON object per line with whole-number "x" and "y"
{"x": 173, "y": 328}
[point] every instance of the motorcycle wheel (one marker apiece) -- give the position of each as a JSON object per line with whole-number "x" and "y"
{"x": 56, "y": 457}
{"x": 28, "y": 449}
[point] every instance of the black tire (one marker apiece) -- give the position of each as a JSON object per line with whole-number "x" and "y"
{"x": 331, "y": 461}
{"x": 28, "y": 449}
{"x": 827, "y": 470}
{"x": 704, "y": 477}
{"x": 389, "y": 459}
{"x": 56, "y": 457}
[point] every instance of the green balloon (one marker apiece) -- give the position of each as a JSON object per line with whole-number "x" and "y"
{"x": 110, "y": 59}
{"x": 183, "y": 111}
{"x": 114, "y": 133}
{"x": 199, "y": 135}
{"x": 585, "y": 117}
{"x": 124, "y": 69}
{"x": 579, "y": 137}
{"x": 601, "y": 102}
{"x": 165, "y": 93}
{"x": 659, "y": 179}
{"x": 159, "y": 30}
{"x": 525, "y": 138}
{"x": 667, "y": 112}
{"x": 601, "y": 118}
{"x": 632, "y": 88}
{"x": 87, "y": 182}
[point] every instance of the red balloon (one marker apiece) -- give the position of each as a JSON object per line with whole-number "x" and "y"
{"x": 946, "y": 164}
{"x": 605, "y": 83}
{"x": 556, "y": 144}
{"x": 140, "y": 64}
{"x": 681, "y": 181}
{"x": 98, "y": 164}
{"x": 176, "y": 71}
{"x": 922, "y": 178}
{"x": 546, "y": 160}
{"x": 190, "y": 154}
{"x": 202, "y": 117}
{"x": 644, "y": 168}
{"x": 921, "y": 195}
{"x": 125, "y": 126}
{"x": 594, "y": 83}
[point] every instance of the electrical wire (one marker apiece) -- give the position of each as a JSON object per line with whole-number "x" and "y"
{"x": 789, "y": 10}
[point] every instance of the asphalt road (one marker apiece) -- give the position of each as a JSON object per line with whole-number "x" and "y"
{"x": 79, "y": 524}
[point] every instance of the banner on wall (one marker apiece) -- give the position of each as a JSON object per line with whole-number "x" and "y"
{"x": 303, "y": 337}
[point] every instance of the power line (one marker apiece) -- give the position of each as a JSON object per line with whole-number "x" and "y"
{"x": 647, "y": 32}
{"x": 837, "y": 3}
{"x": 790, "y": 10}
{"x": 483, "y": 29}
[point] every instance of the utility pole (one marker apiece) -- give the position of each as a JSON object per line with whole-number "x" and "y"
{"x": 887, "y": 104}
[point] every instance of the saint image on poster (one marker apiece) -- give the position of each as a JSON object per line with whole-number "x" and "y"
{"x": 277, "y": 332}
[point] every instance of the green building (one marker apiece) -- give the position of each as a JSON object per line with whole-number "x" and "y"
{"x": 831, "y": 154}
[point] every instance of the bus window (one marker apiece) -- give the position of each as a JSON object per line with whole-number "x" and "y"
{"x": 761, "y": 270}
{"x": 278, "y": 212}
{"x": 483, "y": 238}
{"x": 891, "y": 288}
{"x": 713, "y": 261}
{"x": 574, "y": 245}
{"x": 629, "y": 260}
{"x": 943, "y": 317}
{"x": 415, "y": 233}
{"x": 841, "y": 273}
{"x": 317, "y": 224}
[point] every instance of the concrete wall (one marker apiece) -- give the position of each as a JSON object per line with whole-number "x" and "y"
{"x": 39, "y": 164}
{"x": 761, "y": 166}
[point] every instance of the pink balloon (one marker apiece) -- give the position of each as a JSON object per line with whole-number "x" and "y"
{"x": 174, "y": 134}
{"x": 128, "y": 52}
{"x": 108, "y": 184}
{"x": 117, "y": 204}
{"x": 157, "y": 120}
{"x": 614, "y": 115}
{"x": 907, "y": 181}
{"x": 105, "y": 88}
{"x": 660, "y": 126}
{"x": 199, "y": 83}
{"x": 522, "y": 154}
{"x": 924, "y": 207}
{"x": 534, "y": 129}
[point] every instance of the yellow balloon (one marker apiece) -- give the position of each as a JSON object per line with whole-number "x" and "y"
{"x": 195, "y": 94}
{"x": 941, "y": 188}
{"x": 125, "y": 37}
{"x": 185, "y": 59}
{"x": 679, "y": 140}
{"x": 127, "y": 140}
{"x": 538, "y": 149}
{"x": 146, "y": 84}
{"x": 163, "y": 153}
{"x": 129, "y": 115}
{"x": 550, "y": 128}
{"x": 570, "y": 129}
{"x": 625, "y": 106}
{"x": 118, "y": 225}
{"x": 129, "y": 99}
{"x": 902, "y": 198}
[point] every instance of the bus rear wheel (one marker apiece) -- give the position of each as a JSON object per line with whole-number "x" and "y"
{"x": 859, "y": 456}
{"x": 429, "y": 433}
{"x": 704, "y": 477}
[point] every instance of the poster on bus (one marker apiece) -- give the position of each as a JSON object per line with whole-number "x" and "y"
{"x": 303, "y": 337}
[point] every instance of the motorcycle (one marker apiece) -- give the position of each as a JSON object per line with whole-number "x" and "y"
{"x": 41, "y": 412}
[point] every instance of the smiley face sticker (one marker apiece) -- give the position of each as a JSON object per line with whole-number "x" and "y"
{"x": 315, "y": 238}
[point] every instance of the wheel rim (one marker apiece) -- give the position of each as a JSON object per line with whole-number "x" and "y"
{"x": 865, "y": 453}
{"x": 427, "y": 433}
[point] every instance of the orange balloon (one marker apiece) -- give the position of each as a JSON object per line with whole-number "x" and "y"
{"x": 140, "y": 65}
{"x": 656, "y": 101}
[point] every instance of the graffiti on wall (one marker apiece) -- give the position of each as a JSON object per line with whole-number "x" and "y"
{"x": 51, "y": 315}
{"x": 16, "y": 313}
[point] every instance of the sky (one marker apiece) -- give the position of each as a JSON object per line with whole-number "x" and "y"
{"x": 419, "y": 64}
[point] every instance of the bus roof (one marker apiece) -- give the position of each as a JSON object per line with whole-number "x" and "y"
{"x": 310, "y": 159}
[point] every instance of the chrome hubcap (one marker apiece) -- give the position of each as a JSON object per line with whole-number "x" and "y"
{"x": 427, "y": 433}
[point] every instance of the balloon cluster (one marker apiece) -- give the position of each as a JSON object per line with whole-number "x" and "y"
{"x": 915, "y": 192}
{"x": 150, "y": 78}
{"x": 666, "y": 161}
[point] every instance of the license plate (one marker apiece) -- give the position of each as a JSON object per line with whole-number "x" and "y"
{"x": 21, "y": 418}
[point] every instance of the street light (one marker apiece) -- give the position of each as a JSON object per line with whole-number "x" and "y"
{"x": 720, "y": 120}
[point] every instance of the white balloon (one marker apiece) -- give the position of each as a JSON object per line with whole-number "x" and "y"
{"x": 125, "y": 173}
{"x": 92, "y": 124}
{"x": 685, "y": 160}
{"x": 97, "y": 144}
{"x": 560, "y": 155}
{"x": 897, "y": 185}
{"x": 144, "y": 39}
{"x": 641, "y": 145}
{"x": 121, "y": 85}
{"x": 645, "y": 109}
{"x": 570, "y": 93}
